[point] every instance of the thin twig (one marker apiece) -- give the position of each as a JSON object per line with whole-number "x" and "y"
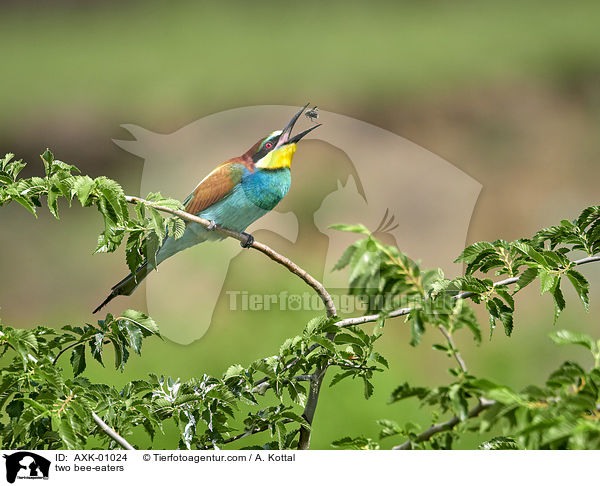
{"x": 111, "y": 433}
{"x": 443, "y": 427}
{"x": 252, "y": 432}
{"x": 455, "y": 352}
{"x": 60, "y": 353}
{"x": 73, "y": 345}
{"x": 243, "y": 238}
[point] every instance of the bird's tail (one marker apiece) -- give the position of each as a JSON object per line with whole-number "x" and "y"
{"x": 127, "y": 285}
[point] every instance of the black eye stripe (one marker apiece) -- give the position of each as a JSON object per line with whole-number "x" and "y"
{"x": 265, "y": 150}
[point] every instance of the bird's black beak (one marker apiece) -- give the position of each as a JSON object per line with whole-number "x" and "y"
{"x": 287, "y": 131}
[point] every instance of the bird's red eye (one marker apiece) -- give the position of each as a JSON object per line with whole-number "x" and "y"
{"x": 268, "y": 145}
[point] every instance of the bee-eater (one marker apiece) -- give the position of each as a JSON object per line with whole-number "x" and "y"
{"x": 234, "y": 195}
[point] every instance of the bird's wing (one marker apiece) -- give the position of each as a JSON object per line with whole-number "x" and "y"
{"x": 215, "y": 187}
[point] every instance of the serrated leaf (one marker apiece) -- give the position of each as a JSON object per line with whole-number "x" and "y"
{"x": 507, "y": 321}
{"x": 532, "y": 253}
{"x": 52, "y": 197}
{"x": 25, "y": 203}
{"x": 356, "y": 443}
{"x": 144, "y": 322}
{"x": 78, "y": 359}
{"x": 417, "y": 327}
{"x": 96, "y": 344}
{"x": 406, "y": 391}
{"x": 67, "y": 434}
{"x": 368, "y": 388}
{"x": 389, "y": 428}
{"x": 315, "y": 325}
{"x": 564, "y": 336}
{"x": 581, "y": 286}
{"x": 499, "y": 443}
{"x": 471, "y": 252}
{"x": 344, "y": 259}
{"x": 324, "y": 342}
{"x": 559, "y": 300}
{"x": 375, "y": 356}
{"x": 83, "y": 187}
{"x": 547, "y": 281}
{"x": 340, "y": 376}
{"x": 157, "y": 223}
{"x": 351, "y": 228}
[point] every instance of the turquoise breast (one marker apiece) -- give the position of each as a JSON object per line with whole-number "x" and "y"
{"x": 266, "y": 188}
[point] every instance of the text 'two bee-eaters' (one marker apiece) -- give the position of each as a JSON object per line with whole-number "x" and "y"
{"x": 233, "y": 195}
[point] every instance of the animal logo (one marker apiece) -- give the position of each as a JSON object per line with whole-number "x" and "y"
{"x": 26, "y": 465}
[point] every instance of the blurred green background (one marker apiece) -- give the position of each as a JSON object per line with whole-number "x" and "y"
{"x": 507, "y": 91}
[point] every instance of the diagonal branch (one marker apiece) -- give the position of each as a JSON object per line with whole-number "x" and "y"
{"x": 111, "y": 433}
{"x": 243, "y": 238}
{"x": 250, "y": 432}
{"x": 445, "y": 426}
{"x": 455, "y": 352}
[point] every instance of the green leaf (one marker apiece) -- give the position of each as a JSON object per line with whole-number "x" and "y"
{"x": 315, "y": 325}
{"x": 547, "y": 281}
{"x": 340, "y": 376}
{"x": 325, "y": 342}
{"x": 114, "y": 195}
{"x": 78, "y": 359}
{"x": 157, "y": 223}
{"x": 176, "y": 227}
{"x": 389, "y": 428}
{"x": 368, "y": 388}
{"x": 417, "y": 327}
{"x": 146, "y": 323}
{"x": 471, "y": 252}
{"x": 467, "y": 317}
{"x": 375, "y": 356}
{"x": 25, "y": 203}
{"x": 135, "y": 336}
{"x": 563, "y": 336}
{"x": 53, "y": 195}
{"x": 48, "y": 159}
{"x": 559, "y": 300}
{"x": 507, "y": 322}
{"x": 96, "y": 344}
{"x": 526, "y": 278}
{"x": 497, "y": 392}
{"x": 581, "y": 286}
{"x": 67, "y": 434}
{"x": 532, "y": 253}
{"x": 499, "y": 443}
{"x": 351, "y": 228}
{"x": 507, "y": 298}
{"x": 83, "y": 188}
{"x": 344, "y": 259}
{"x": 15, "y": 408}
{"x": 356, "y": 443}
{"x": 406, "y": 391}
{"x": 32, "y": 403}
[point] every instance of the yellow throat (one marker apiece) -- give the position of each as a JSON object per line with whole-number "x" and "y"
{"x": 278, "y": 159}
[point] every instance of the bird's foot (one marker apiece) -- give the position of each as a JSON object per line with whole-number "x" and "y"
{"x": 248, "y": 242}
{"x": 211, "y": 226}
